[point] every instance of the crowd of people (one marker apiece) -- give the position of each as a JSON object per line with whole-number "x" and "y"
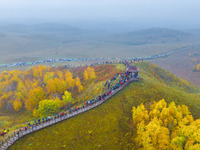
{"x": 110, "y": 87}
{"x": 122, "y": 78}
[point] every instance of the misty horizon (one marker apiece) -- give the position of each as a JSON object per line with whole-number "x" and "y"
{"x": 104, "y": 15}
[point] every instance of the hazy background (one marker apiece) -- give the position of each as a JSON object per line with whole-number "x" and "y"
{"x": 35, "y": 30}
{"x": 104, "y": 15}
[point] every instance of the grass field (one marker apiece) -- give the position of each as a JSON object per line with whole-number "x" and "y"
{"x": 109, "y": 126}
{"x": 181, "y": 64}
{"x": 22, "y": 43}
{"x": 20, "y": 49}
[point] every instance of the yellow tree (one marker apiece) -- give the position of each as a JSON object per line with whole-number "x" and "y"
{"x": 78, "y": 84}
{"x": 34, "y": 97}
{"x": 69, "y": 79}
{"x": 159, "y": 126}
{"x": 91, "y": 73}
{"x": 51, "y": 87}
{"x": 59, "y": 74}
{"x": 21, "y": 92}
{"x": 67, "y": 97}
{"x": 17, "y": 104}
{"x": 85, "y": 75}
{"x": 48, "y": 76}
{"x": 55, "y": 86}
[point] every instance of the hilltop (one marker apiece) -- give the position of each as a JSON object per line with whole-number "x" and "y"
{"x": 152, "y": 36}
{"x": 110, "y": 125}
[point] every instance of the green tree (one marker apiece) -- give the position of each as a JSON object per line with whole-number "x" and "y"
{"x": 67, "y": 97}
{"x": 48, "y": 107}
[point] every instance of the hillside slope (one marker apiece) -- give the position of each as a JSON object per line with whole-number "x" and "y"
{"x": 109, "y": 126}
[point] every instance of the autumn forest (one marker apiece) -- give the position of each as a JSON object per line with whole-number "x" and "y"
{"x": 29, "y": 89}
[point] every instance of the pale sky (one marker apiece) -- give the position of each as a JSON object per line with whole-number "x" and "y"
{"x": 153, "y": 12}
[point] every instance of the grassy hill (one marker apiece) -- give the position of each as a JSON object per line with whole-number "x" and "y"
{"x": 152, "y": 35}
{"x": 109, "y": 126}
{"x": 43, "y": 28}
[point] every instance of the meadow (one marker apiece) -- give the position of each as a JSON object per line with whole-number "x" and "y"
{"x": 181, "y": 64}
{"x": 21, "y": 43}
{"x": 110, "y": 125}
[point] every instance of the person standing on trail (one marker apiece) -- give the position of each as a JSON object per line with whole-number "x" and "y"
{"x": 43, "y": 119}
{"x": 2, "y": 134}
{"x": 49, "y": 118}
{"x": 108, "y": 84}
{"x": 5, "y": 131}
{"x": 38, "y": 121}
{"x": 18, "y": 134}
{"x": 35, "y": 122}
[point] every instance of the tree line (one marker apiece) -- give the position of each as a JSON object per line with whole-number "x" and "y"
{"x": 39, "y": 87}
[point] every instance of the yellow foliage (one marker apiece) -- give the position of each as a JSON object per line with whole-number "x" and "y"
{"x": 91, "y": 73}
{"x": 69, "y": 79}
{"x": 78, "y": 84}
{"x": 34, "y": 97}
{"x": 67, "y": 97}
{"x": 17, "y": 104}
{"x": 85, "y": 75}
{"x": 171, "y": 127}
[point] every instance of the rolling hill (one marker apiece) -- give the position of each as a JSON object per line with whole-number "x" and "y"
{"x": 110, "y": 125}
{"x": 44, "y": 28}
{"x": 152, "y": 35}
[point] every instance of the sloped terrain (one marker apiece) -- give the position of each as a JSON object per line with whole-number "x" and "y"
{"x": 152, "y": 35}
{"x": 109, "y": 126}
{"x": 12, "y": 119}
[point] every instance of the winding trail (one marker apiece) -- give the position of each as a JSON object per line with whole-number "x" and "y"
{"x": 11, "y": 139}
